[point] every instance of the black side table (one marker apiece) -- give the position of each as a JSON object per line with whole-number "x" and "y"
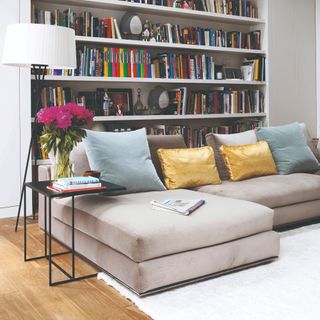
{"x": 41, "y": 188}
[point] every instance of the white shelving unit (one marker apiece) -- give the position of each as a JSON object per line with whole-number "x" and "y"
{"x": 159, "y": 10}
{"x": 155, "y": 80}
{"x": 165, "y": 45}
{"x": 232, "y": 57}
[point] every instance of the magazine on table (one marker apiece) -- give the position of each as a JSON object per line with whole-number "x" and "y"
{"x": 184, "y": 207}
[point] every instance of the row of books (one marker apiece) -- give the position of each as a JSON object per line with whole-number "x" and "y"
{"x": 195, "y": 137}
{"x": 84, "y": 23}
{"x": 114, "y": 62}
{"x": 183, "y": 66}
{"x": 217, "y": 101}
{"x": 220, "y": 100}
{"x": 138, "y": 63}
{"x": 174, "y": 33}
{"x": 163, "y": 3}
{"x": 245, "y": 8}
{"x": 225, "y": 101}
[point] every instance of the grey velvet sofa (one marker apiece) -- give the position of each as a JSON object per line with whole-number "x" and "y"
{"x": 149, "y": 250}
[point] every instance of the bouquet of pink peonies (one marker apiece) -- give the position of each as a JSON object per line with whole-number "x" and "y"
{"x": 62, "y": 131}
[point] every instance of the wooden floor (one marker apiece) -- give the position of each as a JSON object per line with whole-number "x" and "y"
{"x": 24, "y": 290}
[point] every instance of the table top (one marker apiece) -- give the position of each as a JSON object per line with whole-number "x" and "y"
{"x": 41, "y": 187}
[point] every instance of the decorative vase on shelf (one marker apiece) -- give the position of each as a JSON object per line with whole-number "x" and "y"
{"x": 62, "y": 131}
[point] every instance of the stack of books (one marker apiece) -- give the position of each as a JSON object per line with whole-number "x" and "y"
{"x": 76, "y": 184}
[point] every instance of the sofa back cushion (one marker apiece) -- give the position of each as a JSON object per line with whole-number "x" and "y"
{"x": 123, "y": 158}
{"x": 311, "y": 145}
{"x": 215, "y": 141}
{"x": 289, "y": 148}
{"x": 164, "y": 142}
{"x": 81, "y": 164}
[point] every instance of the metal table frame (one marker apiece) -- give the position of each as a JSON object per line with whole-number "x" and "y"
{"x": 48, "y": 254}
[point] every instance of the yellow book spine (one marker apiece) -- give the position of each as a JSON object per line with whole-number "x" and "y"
{"x": 105, "y": 62}
{"x": 256, "y": 70}
{"x": 121, "y": 62}
{"x": 59, "y": 96}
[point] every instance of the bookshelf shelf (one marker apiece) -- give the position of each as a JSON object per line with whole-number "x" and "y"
{"x": 41, "y": 162}
{"x": 161, "y": 11}
{"x": 164, "y": 45}
{"x": 154, "y": 80}
{"x": 177, "y": 117}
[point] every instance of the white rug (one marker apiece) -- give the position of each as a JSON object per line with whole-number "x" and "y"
{"x": 288, "y": 288}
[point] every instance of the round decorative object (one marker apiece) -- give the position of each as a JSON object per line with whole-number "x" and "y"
{"x": 131, "y": 26}
{"x": 158, "y": 99}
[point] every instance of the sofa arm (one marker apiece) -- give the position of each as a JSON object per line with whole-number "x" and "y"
{"x": 44, "y": 173}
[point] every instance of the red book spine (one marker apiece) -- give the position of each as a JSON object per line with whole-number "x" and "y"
{"x": 129, "y": 63}
{"x": 117, "y": 62}
{"x": 145, "y": 62}
{"x": 113, "y": 54}
{"x": 109, "y": 30}
{"x": 135, "y": 65}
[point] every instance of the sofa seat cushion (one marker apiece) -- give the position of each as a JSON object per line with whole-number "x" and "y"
{"x": 128, "y": 224}
{"x": 271, "y": 191}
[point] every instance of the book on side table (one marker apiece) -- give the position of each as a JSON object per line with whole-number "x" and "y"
{"x": 184, "y": 207}
{"x": 76, "y": 184}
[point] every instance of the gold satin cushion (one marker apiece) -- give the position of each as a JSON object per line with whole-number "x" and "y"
{"x": 187, "y": 168}
{"x": 249, "y": 160}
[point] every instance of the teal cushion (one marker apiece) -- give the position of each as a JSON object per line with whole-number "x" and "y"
{"x": 123, "y": 158}
{"x": 289, "y": 148}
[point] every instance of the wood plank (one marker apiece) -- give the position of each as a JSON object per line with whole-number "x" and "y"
{"x": 25, "y": 293}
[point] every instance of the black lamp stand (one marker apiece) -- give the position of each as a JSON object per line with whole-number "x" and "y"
{"x": 39, "y": 72}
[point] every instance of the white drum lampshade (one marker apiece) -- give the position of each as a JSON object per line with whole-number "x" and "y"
{"x": 28, "y": 44}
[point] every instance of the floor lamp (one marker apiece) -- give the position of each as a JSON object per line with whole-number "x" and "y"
{"x": 38, "y": 46}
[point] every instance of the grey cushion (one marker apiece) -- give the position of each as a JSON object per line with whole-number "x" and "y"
{"x": 128, "y": 224}
{"x": 271, "y": 191}
{"x": 289, "y": 148}
{"x": 215, "y": 141}
{"x": 123, "y": 158}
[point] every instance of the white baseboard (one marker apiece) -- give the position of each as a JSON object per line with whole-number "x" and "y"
{"x": 11, "y": 212}
{"x": 8, "y": 212}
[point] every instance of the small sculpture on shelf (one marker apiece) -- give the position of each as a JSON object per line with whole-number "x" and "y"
{"x": 119, "y": 110}
{"x": 106, "y": 104}
{"x": 139, "y": 108}
{"x": 146, "y": 31}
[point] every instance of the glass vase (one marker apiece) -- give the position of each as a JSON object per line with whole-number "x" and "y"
{"x": 62, "y": 167}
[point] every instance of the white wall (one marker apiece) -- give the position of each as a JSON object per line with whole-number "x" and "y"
{"x": 15, "y": 110}
{"x": 10, "y": 119}
{"x": 292, "y": 62}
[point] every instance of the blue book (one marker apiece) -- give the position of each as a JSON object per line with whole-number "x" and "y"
{"x": 77, "y": 180}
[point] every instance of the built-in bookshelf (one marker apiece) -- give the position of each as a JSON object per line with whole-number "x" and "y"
{"x": 229, "y": 55}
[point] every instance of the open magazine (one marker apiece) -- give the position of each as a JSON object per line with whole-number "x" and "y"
{"x": 184, "y": 207}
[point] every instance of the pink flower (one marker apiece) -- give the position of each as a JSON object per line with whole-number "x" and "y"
{"x": 63, "y": 120}
{"x": 65, "y": 116}
{"x": 79, "y": 112}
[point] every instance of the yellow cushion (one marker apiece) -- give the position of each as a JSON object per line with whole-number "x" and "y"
{"x": 187, "y": 168}
{"x": 249, "y": 160}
